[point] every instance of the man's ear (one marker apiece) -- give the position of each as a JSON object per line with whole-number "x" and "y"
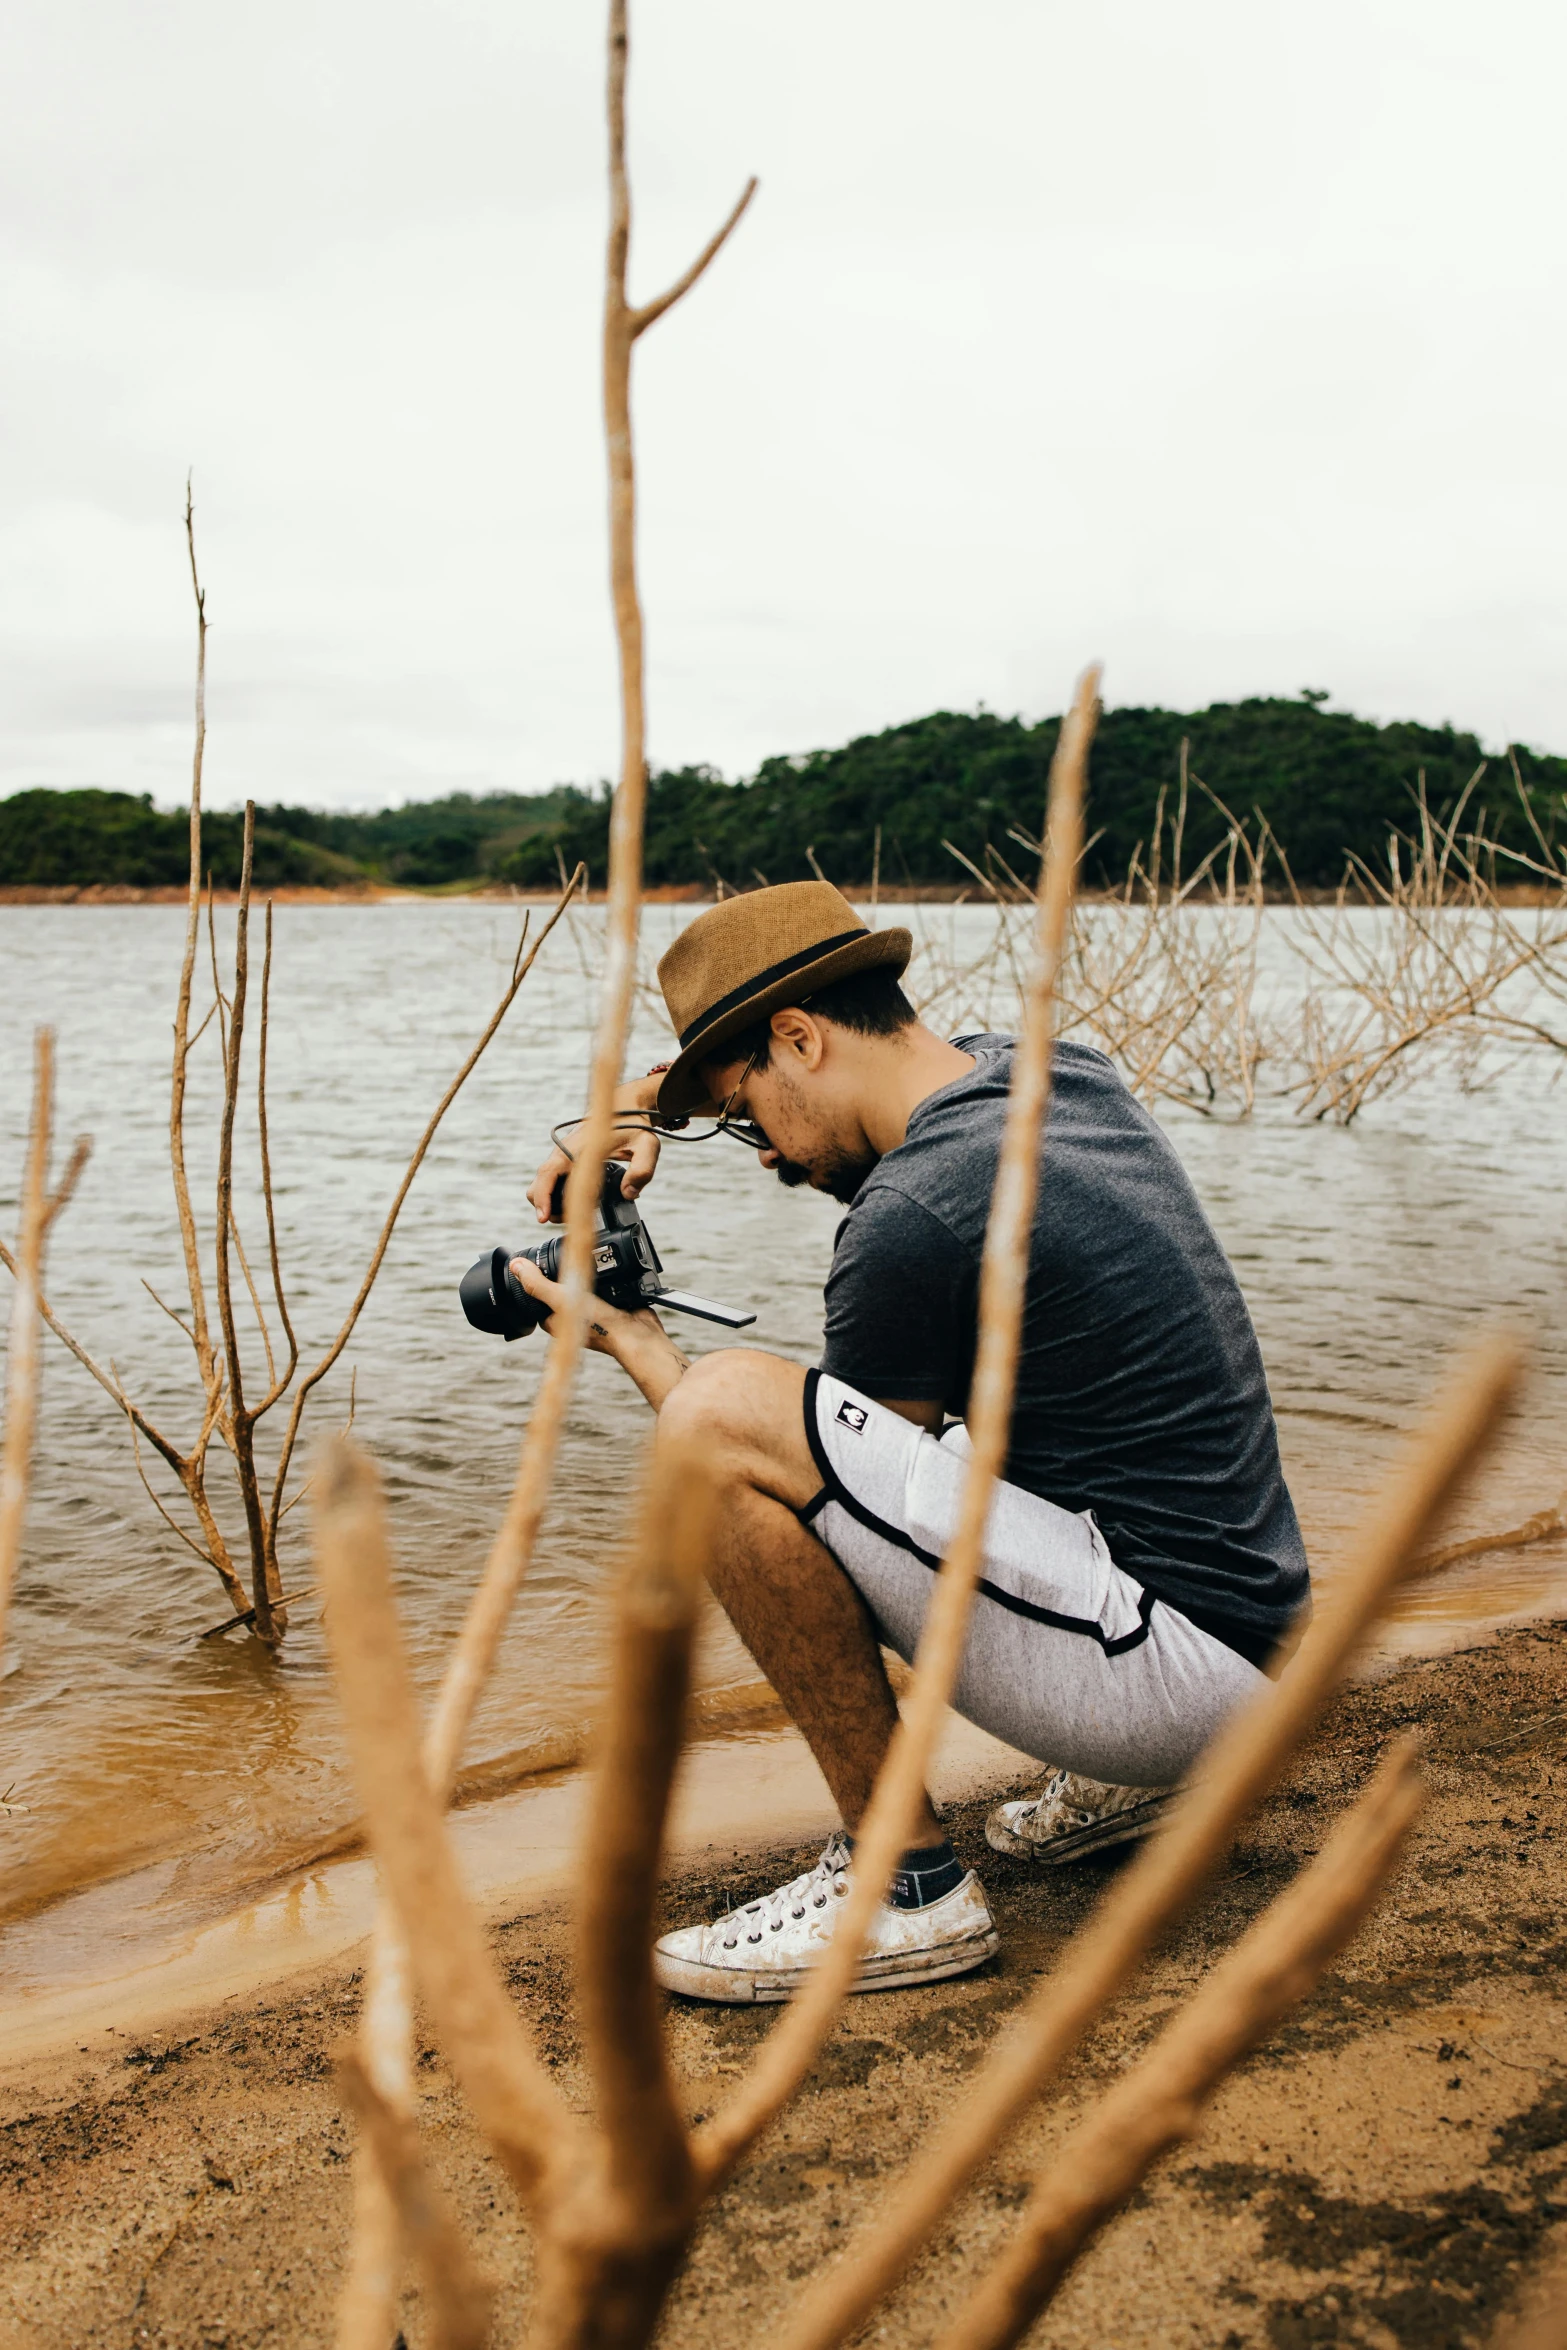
{"x": 799, "y": 1035}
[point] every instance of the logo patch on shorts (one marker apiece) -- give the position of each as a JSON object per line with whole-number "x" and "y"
{"x": 853, "y": 1415}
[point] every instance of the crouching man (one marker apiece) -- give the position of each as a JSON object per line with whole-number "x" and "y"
{"x": 1143, "y": 1559}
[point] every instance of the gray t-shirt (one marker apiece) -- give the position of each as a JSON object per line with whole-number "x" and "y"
{"x": 1140, "y": 1387}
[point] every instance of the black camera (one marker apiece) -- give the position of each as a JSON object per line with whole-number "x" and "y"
{"x": 627, "y": 1272}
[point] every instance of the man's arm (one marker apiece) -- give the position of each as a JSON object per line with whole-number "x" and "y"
{"x": 636, "y": 1145}
{"x": 638, "y": 1342}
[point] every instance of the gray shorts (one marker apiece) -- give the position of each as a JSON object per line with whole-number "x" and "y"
{"x": 1067, "y": 1657}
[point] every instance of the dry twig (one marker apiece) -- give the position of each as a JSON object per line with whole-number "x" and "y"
{"x": 515, "y": 1542}
{"x": 1426, "y": 958}
{"x": 459, "y": 2303}
{"x": 40, "y": 1207}
{"x": 1003, "y": 1281}
{"x": 615, "y": 2206}
{"x": 517, "y": 2105}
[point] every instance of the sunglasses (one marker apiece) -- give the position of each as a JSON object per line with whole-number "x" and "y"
{"x": 744, "y": 1130}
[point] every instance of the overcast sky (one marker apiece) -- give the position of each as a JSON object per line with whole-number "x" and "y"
{"x": 1224, "y": 342}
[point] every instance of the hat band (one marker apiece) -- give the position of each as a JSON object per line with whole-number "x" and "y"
{"x": 764, "y": 979}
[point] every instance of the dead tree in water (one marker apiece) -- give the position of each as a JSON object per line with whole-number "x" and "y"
{"x": 39, "y": 1206}
{"x": 1424, "y": 955}
{"x": 233, "y": 1404}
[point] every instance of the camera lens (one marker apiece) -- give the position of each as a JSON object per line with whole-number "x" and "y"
{"x": 494, "y": 1299}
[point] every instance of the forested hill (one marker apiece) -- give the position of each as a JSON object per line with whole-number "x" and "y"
{"x": 55, "y": 839}
{"x": 1326, "y": 782}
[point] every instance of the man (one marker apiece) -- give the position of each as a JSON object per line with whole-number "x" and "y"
{"x": 1142, "y": 1559}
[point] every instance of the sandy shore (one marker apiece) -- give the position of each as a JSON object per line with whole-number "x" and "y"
{"x": 1381, "y": 2173}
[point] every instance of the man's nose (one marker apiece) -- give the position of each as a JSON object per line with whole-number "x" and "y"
{"x": 768, "y": 1157}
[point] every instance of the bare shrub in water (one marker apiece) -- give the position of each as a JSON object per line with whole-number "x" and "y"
{"x": 232, "y": 1404}
{"x": 1453, "y": 953}
{"x": 1426, "y": 956}
{"x": 1161, "y": 975}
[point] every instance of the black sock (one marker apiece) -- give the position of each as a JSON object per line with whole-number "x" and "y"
{"x": 925, "y": 1874}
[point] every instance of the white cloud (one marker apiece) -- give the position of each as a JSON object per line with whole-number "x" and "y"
{"x": 1226, "y": 343}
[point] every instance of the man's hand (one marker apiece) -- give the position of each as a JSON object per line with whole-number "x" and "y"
{"x": 638, "y": 1342}
{"x": 639, "y": 1150}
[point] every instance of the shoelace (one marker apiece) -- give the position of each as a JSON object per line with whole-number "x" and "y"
{"x": 819, "y": 1886}
{"x": 1053, "y": 1787}
{"x": 1073, "y": 1816}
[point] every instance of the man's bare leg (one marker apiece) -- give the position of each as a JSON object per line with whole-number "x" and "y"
{"x": 784, "y": 1592}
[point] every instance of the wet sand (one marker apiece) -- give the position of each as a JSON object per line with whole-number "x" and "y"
{"x": 1382, "y": 2172}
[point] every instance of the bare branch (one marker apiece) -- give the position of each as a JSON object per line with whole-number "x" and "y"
{"x": 1160, "y": 2101}
{"x": 278, "y": 1385}
{"x": 21, "y": 1370}
{"x": 255, "y": 1301}
{"x": 514, "y": 1544}
{"x": 182, "y": 1037}
{"x": 516, "y": 2104}
{"x": 367, "y": 2308}
{"x": 303, "y": 1494}
{"x": 220, "y": 1002}
{"x": 459, "y": 2304}
{"x": 632, "y": 322}
{"x": 266, "y": 1588}
{"x": 81, "y": 1152}
{"x": 643, "y": 317}
{"x": 247, "y": 1615}
{"x": 520, "y": 972}
{"x": 1003, "y": 1281}
{"x": 158, "y": 1504}
{"x": 106, "y": 1380}
{"x": 177, "y": 1319}
{"x": 639, "y": 1745}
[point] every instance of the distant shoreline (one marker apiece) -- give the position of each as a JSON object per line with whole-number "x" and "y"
{"x": 692, "y": 893}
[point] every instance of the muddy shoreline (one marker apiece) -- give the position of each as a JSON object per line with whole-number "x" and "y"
{"x": 1382, "y": 2172}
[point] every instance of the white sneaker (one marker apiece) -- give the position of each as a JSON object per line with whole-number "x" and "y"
{"x": 765, "y": 1951}
{"x": 1070, "y": 1816}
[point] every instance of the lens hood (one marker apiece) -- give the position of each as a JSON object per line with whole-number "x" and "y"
{"x": 494, "y": 1302}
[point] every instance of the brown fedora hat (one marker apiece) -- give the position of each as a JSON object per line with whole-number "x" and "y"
{"x": 751, "y": 956}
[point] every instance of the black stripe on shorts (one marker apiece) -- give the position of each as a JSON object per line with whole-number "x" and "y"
{"x": 834, "y": 1489}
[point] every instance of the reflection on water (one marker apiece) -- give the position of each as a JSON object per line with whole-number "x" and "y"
{"x": 1367, "y": 1256}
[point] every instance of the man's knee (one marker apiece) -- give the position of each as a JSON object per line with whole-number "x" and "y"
{"x": 743, "y": 1412}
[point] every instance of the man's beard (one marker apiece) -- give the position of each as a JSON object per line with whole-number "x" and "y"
{"x": 838, "y": 1172}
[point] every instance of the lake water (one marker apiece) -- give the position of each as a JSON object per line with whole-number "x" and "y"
{"x": 1368, "y": 1255}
